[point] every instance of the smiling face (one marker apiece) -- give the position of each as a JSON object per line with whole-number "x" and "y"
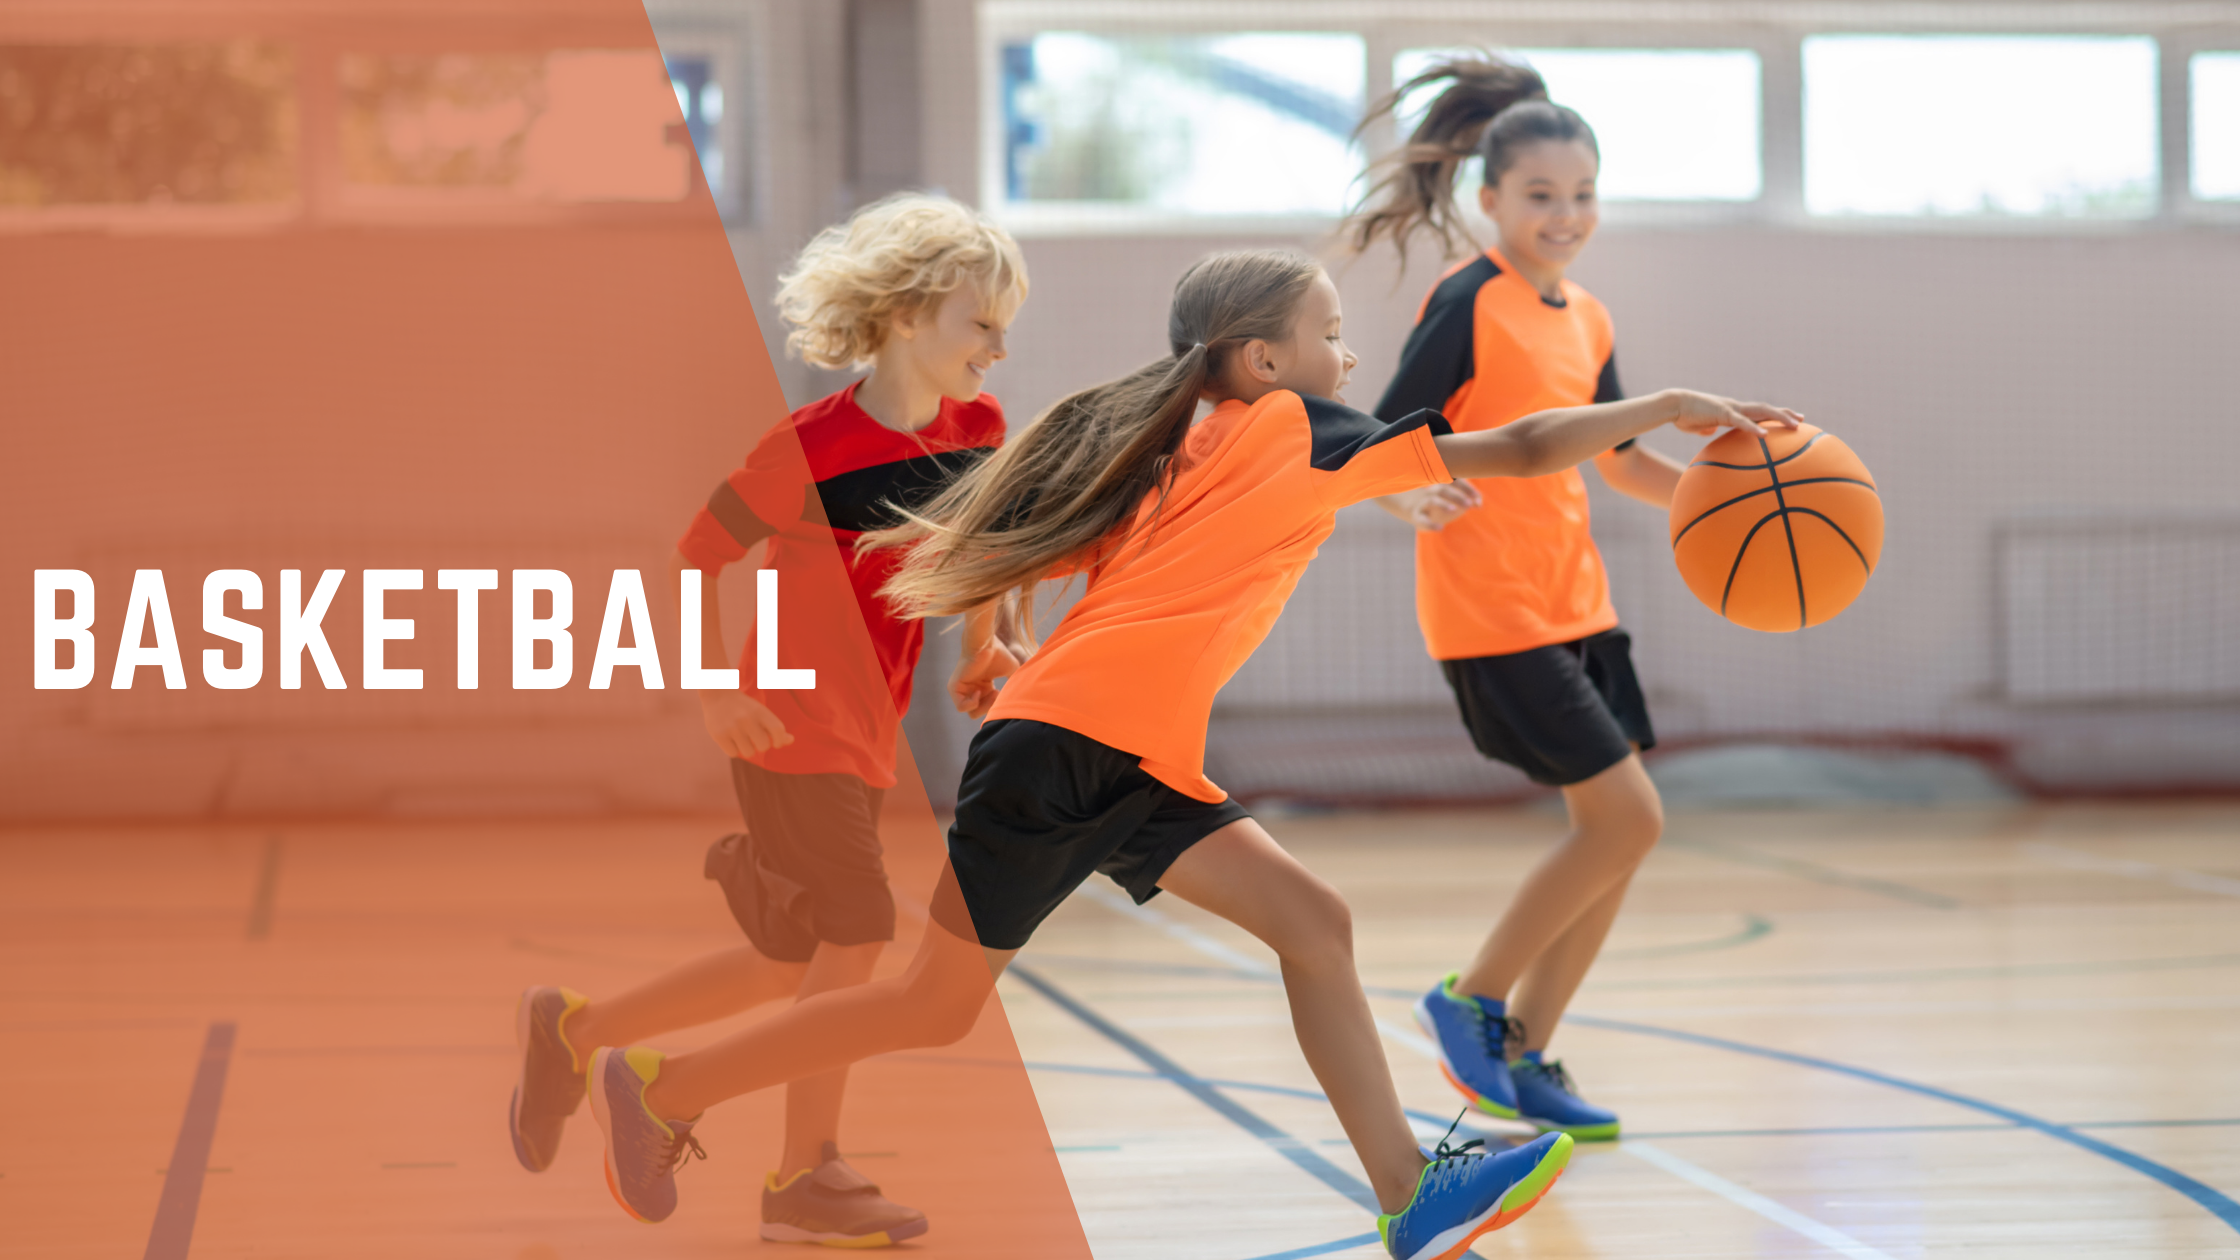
{"x": 1544, "y": 205}
{"x": 951, "y": 346}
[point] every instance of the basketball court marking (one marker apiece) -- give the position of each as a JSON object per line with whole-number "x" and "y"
{"x": 2074, "y": 859}
{"x": 1307, "y": 1158}
{"x": 268, "y": 891}
{"x": 173, "y": 1231}
{"x": 2216, "y": 1202}
{"x": 1826, "y": 1235}
{"x": 1813, "y": 871}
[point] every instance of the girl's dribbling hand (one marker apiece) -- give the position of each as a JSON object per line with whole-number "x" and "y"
{"x": 972, "y": 685}
{"x": 740, "y": 725}
{"x": 1706, "y": 414}
{"x": 1433, "y": 506}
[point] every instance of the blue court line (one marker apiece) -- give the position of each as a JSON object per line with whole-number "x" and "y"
{"x": 1305, "y": 1157}
{"x": 2215, "y": 1201}
{"x": 173, "y": 1231}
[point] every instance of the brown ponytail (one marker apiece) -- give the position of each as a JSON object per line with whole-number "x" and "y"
{"x": 1492, "y": 108}
{"x": 1071, "y": 481}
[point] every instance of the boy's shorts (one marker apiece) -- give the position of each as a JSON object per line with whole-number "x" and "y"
{"x": 809, "y": 867}
{"x": 1041, "y": 809}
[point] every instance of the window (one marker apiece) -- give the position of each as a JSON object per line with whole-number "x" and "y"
{"x": 2216, "y": 125}
{"x": 210, "y": 124}
{"x": 1673, "y": 124}
{"x": 700, "y": 100}
{"x": 1230, "y": 124}
{"x": 2046, "y": 125}
{"x": 572, "y": 125}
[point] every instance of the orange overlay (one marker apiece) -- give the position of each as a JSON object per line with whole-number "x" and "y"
{"x": 321, "y": 286}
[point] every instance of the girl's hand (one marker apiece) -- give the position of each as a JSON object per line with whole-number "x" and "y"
{"x": 1706, "y": 414}
{"x": 1433, "y": 506}
{"x": 972, "y": 685}
{"x": 740, "y": 725}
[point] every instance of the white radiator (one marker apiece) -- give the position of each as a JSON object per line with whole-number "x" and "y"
{"x": 2120, "y": 611}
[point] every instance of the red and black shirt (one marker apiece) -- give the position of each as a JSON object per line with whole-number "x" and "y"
{"x": 831, "y": 616}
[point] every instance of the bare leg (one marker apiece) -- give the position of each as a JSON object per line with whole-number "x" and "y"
{"x": 1241, "y": 874}
{"x": 813, "y": 1102}
{"x": 935, "y": 1003}
{"x": 711, "y": 987}
{"x": 1615, "y": 820}
{"x": 1548, "y": 984}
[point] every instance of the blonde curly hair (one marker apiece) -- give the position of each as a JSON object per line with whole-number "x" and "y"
{"x": 898, "y": 255}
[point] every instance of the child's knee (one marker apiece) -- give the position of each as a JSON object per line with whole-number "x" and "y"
{"x": 937, "y": 1010}
{"x": 1317, "y": 927}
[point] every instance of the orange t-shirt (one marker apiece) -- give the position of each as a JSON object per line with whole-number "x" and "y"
{"x": 1171, "y": 613}
{"x": 1522, "y": 571}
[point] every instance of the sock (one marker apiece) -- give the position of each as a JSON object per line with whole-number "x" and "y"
{"x": 1533, "y": 1057}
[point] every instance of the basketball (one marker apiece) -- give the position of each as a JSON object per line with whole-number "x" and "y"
{"x": 1779, "y": 532}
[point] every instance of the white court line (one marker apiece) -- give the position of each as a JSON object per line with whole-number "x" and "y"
{"x": 1408, "y": 1037}
{"x": 2076, "y": 859}
{"x": 1120, "y": 902}
{"x": 1780, "y": 1214}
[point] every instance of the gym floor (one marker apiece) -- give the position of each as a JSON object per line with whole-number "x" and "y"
{"x": 2006, "y": 1031}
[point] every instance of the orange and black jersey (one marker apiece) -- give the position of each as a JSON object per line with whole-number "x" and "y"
{"x": 1174, "y": 608}
{"x": 831, "y": 616}
{"x": 1522, "y": 571}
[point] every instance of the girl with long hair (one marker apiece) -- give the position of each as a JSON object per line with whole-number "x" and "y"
{"x": 1190, "y": 536}
{"x": 1510, "y": 590}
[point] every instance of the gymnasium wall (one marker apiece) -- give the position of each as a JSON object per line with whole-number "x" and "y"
{"x": 2001, "y": 385}
{"x": 1994, "y": 381}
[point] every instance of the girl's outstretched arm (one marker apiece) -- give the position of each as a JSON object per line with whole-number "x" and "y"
{"x": 1551, "y": 441}
{"x": 1640, "y": 473}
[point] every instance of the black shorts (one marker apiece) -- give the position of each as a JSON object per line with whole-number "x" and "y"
{"x": 1041, "y": 809}
{"x": 809, "y": 867}
{"x": 1562, "y": 714}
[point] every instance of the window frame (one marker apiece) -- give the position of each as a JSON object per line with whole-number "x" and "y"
{"x": 1776, "y": 33}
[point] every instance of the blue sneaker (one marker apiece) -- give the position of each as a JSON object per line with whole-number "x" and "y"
{"x": 1547, "y": 1098}
{"x": 1472, "y": 1034}
{"x": 551, "y": 1081}
{"x": 643, "y": 1153}
{"x": 1463, "y": 1195}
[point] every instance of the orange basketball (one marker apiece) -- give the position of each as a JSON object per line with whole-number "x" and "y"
{"x": 1779, "y": 532}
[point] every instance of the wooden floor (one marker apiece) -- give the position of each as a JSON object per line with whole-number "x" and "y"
{"x": 1888, "y": 1033}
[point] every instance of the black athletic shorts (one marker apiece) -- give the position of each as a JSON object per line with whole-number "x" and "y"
{"x": 1562, "y": 714}
{"x": 809, "y": 867}
{"x": 1041, "y": 809}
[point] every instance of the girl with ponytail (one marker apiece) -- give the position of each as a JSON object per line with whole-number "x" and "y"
{"x": 1190, "y": 532}
{"x": 1510, "y": 590}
